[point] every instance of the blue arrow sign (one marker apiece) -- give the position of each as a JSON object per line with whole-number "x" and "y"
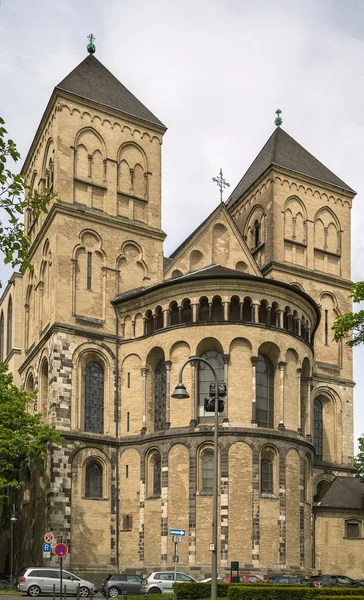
{"x": 46, "y": 547}
{"x": 180, "y": 532}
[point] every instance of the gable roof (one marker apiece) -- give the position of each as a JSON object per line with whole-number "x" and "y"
{"x": 220, "y": 208}
{"x": 342, "y": 492}
{"x": 283, "y": 151}
{"x": 92, "y": 81}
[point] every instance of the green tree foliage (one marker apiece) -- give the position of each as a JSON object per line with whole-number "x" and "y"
{"x": 359, "y": 459}
{"x": 16, "y": 199}
{"x": 23, "y": 437}
{"x": 351, "y": 325}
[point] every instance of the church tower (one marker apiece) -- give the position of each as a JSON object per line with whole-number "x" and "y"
{"x": 99, "y": 149}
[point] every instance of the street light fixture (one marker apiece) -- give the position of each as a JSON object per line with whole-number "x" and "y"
{"x": 180, "y": 393}
{"x": 13, "y": 520}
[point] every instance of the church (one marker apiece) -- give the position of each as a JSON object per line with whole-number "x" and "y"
{"x": 103, "y": 324}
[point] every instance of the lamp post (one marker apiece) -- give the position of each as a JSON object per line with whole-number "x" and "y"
{"x": 13, "y": 520}
{"x": 181, "y": 393}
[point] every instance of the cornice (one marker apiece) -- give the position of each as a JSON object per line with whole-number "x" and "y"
{"x": 307, "y": 273}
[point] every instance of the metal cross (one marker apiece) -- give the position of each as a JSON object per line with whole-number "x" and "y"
{"x": 91, "y": 48}
{"x": 278, "y": 121}
{"x": 221, "y": 183}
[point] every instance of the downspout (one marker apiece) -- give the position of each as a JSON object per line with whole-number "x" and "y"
{"x": 117, "y": 398}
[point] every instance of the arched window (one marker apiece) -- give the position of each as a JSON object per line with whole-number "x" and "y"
{"x": 206, "y": 377}
{"x": 307, "y": 479}
{"x": 160, "y": 391}
{"x": 154, "y": 473}
{"x": 94, "y": 397}
{"x": 318, "y": 428}
{"x": 264, "y": 392}
{"x": 93, "y": 480}
{"x": 256, "y": 234}
{"x": 320, "y": 486}
{"x": 43, "y": 378}
{"x": 2, "y": 337}
{"x": 208, "y": 472}
{"x": 9, "y": 339}
{"x": 266, "y": 476}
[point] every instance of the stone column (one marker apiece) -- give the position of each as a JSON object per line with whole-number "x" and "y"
{"x": 145, "y": 320}
{"x": 194, "y": 391}
{"x": 168, "y": 364}
{"x": 194, "y": 313}
{"x": 255, "y": 314}
{"x": 308, "y": 419}
{"x": 299, "y": 326}
{"x": 180, "y": 314}
{"x": 133, "y": 328}
{"x": 281, "y": 366}
{"x": 122, "y": 330}
{"x": 210, "y": 311}
{"x": 241, "y": 310}
{"x": 144, "y": 372}
{"x": 269, "y": 315}
{"x": 166, "y": 317}
{"x": 280, "y": 313}
{"x": 226, "y": 310}
{"x": 299, "y": 401}
{"x": 225, "y": 358}
{"x": 254, "y": 360}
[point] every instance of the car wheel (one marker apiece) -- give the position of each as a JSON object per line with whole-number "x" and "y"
{"x": 84, "y": 592}
{"x": 154, "y": 591}
{"x": 33, "y": 590}
{"x": 113, "y": 592}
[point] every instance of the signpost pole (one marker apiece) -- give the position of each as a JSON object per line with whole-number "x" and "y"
{"x": 60, "y": 576}
{"x": 175, "y": 559}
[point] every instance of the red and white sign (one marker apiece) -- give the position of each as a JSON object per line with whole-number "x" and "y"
{"x": 61, "y": 550}
{"x": 212, "y": 547}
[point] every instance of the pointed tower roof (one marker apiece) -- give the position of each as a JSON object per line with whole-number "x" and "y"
{"x": 283, "y": 151}
{"x": 90, "y": 80}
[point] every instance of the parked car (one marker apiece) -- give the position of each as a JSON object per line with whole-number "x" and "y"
{"x": 333, "y": 581}
{"x": 246, "y": 578}
{"x": 162, "y": 582}
{"x": 115, "y": 584}
{"x": 288, "y": 579}
{"x": 40, "y": 580}
{"x": 208, "y": 580}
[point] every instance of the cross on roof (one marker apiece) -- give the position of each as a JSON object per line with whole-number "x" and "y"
{"x": 278, "y": 121}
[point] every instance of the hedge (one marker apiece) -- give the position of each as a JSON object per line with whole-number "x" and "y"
{"x": 327, "y": 591}
{"x": 270, "y": 592}
{"x": 195, "y": 591}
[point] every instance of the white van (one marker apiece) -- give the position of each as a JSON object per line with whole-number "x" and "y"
{"x": 40, "y": 580}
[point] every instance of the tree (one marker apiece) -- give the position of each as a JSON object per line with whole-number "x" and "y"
{"x": 359, "y": 459}
{"x": 23, "y": 437}
{"x": 16, "y": 199}
{"x": 351, "y": 325}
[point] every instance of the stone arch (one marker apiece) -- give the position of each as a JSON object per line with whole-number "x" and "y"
{"x": 331, "y": 423}
{"x": 269, "y": 469}
{"x": 270, "y": 351}
{"x": 132, "y": 266}
{"x": 196, "y": 260}
{"x": 153, "y": 472}
{"x": 241, "y": 266}
{"x": 239, "y": 406}
{"x": 254, "y": 231}
{"x": 48, "y": 165}
{"x": 181, "y": 410}
{"x": 330, "y": 351}
{"x": 45, "y": 287}
{"x": 156, "y": 393}
{"x": 43, "y": 378}
{"x": 88, "y": 289}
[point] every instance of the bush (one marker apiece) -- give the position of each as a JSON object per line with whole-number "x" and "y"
{"x": 195, "y": 591}
{"x": 337, "y": 592}
{"x": 271, "y": 592}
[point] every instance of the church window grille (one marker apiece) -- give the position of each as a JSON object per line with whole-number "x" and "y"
{"x": 266, "y": 476}
{"x": 128, "y": 380}
{"x": 318, "y": 429}
{"x": 206, "y": 378}
{"x": 2, "y": 337}
{"x": 157, "y": 476}
{"x": 208, "y": 473}
{"x": 126, "y": 471}
{"x": 93, "y": 486}
{"x": 94, "y": 398}
{"x": 9, "y": 339}
{"x": 160, "y": 396}
{"x": 89, "y": 270}
{"x": 128, "y": 421}
{"x": 264, "y": 392}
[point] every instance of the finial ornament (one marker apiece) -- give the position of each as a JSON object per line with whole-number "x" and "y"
{"x": 221, "y": 183}
{"x": 91, "y": 48}
{"x": 278, "y": 121}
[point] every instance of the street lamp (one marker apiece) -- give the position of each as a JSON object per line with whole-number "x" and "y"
{"x": 180, "y": 393}
{"x": 13, "y": 520}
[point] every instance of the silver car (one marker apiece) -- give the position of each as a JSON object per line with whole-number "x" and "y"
{"x": 40, "y": 580}
{"x": 162, "y": 582}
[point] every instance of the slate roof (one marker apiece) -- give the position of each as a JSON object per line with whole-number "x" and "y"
{"x": 92, "y": 81}
{"x": 283, "y": 151}
{"x": 342, "y": 492}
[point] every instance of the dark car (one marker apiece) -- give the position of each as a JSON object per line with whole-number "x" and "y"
{"x": 116, "y": 584}
{"x": 288, "y": 580}
{"x": 333, "y": 581}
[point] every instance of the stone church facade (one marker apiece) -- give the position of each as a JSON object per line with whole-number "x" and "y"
{"x": 103, "y": 324}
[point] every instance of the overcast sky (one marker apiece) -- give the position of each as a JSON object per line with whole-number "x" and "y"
{"x": 214, "y": 72}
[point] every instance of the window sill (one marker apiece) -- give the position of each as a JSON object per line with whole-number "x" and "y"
{"x": 353, "y": 539}
{"x": 268, "y": 496}
{"x": 205, "y": 494}
{"x": 90, "y": 498}
{"x": 153, "y": 497}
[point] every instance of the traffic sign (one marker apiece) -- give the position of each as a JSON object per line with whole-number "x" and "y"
{"x": 177, "y": 539}
{"x": 175, "y": 558}
{"x": 181, "y": 532}
{"x": 48, "y": 537}
{"x": 46, "y": 550}
{"x": 61, "y": 550}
